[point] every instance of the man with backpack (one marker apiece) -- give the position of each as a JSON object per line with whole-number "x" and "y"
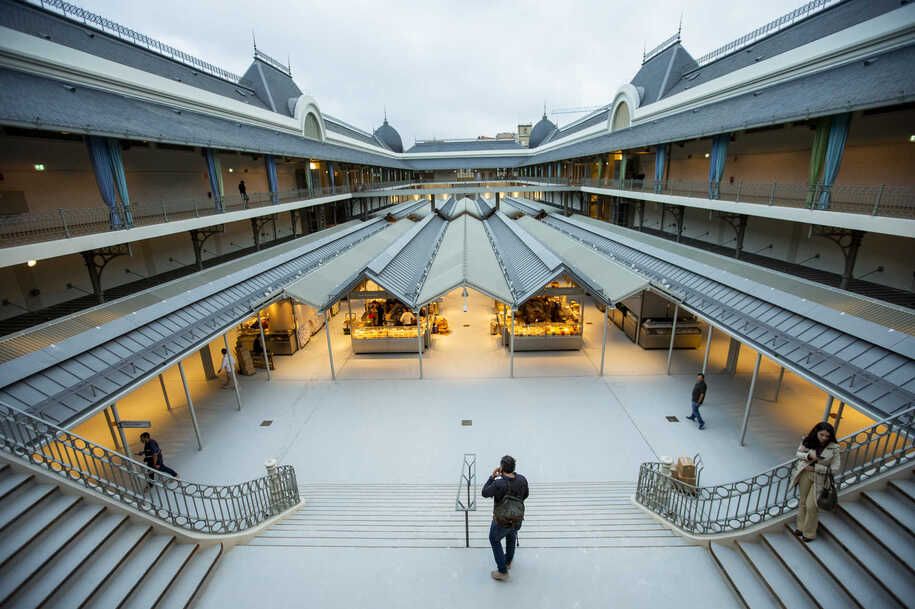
{"x": 509, "y": 490}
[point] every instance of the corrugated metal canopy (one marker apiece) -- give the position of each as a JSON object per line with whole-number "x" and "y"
{"x": 614, "y": 280}
{"x": 327, "y": 284}
{"x": 526, "y": 263}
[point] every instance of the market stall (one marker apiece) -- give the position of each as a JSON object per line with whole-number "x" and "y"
{"x": 647, "y": 319}
{"x": 378, "y": 323}
{"x": 551, "y": 320}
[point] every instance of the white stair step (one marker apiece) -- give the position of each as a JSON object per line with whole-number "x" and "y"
{"x": 896, "y": 506}
{"x": 31, "y": 524}
{"x": 819, "y": 584}
{"x": 906, "y": 487}
{"x": 895, "y": 576}
{"x": 672, "y": 541}
{"x": 68, "y": 561}
{"x": 45, "y": 547}
{"x": 851, "y": 576}
{"x": 10, "y": 480}
{"x": 88, "y": 578}
{"x": 188, "y": 583}
{"x": 130, "y": 573}
{"x": 18, "y": 502}
{"x": 889, "y": 533}
{"x": 774, "y": 573}
{"x": 746, "y": 582}
{"x": 157, "y": 581}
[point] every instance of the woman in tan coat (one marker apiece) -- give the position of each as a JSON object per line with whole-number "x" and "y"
{"x": 818, "y": 453}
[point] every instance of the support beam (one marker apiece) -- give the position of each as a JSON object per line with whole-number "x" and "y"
{"x": 97, "y": 260}
{"x": 419, "y": 341}
{"x": 673, "y": 337}
{"x": 125, "y": 447}
{"x": 190, "y": 404}
{"x": 739, "y": 223}
{"x": 708, "y": 348}
{"x": 168, "y": 404}
{"x": 828, "y": 409}
{"x": 730, "y": 365}
{"x": 511, "y": 348}
{"x": 746, "y": 413}
{"x": 330, "y": 351}
{"x": 111, "y": 426}
{"x": 839, "y": 413}
{"x": 260, "y": 326}
{"x": 778, "y": 386}
{"x": 849, "y": 241}
{"x": 225, "y": 340}
{"x": 206, "y": 360}
{"x": 199, "y": 237}
{"x": 603, "y": 346}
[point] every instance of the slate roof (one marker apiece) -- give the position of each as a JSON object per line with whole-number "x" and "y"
{"x": 272, "y": 86}
{"x": 597, "y": 117}
{"x": 658, "y": 74}
{"x": 464, "y": 145}
{"x": 338, "y": 126}
{"x": 541, "y": 132}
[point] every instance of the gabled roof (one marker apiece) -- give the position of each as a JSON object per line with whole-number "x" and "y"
{"x": 658, "y": 74}
{"x": 273, "y": 87}
{"x": 464, "y": 145}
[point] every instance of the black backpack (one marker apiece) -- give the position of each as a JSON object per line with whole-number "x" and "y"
{"x": 510, "y": 511}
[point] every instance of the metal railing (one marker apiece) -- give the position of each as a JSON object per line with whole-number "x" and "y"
{"x": 727, "y": 508}
{"x": 200, "y": 508}
{"x": 467, "y": 489}
{"x": 770, "y": 28}
{"x": 875, "y": 200}
{"x": 64, "y": 223}
{"x": 124, "y": 33}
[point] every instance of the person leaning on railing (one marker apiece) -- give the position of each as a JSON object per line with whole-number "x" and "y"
{"x": 817, "y": 455}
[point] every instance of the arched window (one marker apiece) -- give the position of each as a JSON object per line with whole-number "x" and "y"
{"x": 621, "y": 117}
{"x": 312, "y": 129}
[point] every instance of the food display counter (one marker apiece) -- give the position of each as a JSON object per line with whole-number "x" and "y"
{"x": 544, "y": 323}
{"x": 647, "y": 320}
{"x": 655, "y": 334}
{"x": 388, "y": 339}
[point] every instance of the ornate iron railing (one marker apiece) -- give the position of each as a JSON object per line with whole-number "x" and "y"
{"x": 200, "y": 508}
{"x": 466, "y": 493}
{"x": 735, "y": 506}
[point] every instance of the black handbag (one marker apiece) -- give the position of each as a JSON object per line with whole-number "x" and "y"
{"x": 829, "y": 496}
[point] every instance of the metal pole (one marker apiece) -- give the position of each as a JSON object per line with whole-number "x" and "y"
{"x": 829, "y": 400}
{"x": 225, "y": 339}
{"x": 330, "y": 352}
{"x": 168, "y": 404}
{"x": 708, "y": 348}
{"x": 419, "y": 342}
{"x": 114, "y": 436}
{"x": 673, "y": 336}
{"x": 603, "y": 347}
{"x": 778, "y": 386}
{"x": 746, "y": 414}
{"x": 117, "y": 421}
{"x": 260, "y": 326}
{"x": 190, "y": 404}
{"x": 839, "y": 416}
{"x": 511, "y": 343}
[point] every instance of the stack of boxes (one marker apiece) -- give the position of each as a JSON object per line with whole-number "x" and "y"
{"x": 684, "y": 470}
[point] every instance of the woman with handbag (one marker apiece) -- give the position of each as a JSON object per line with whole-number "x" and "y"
{"x": 818, "y": 461}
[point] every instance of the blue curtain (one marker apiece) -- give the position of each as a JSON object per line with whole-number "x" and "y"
{"x": 213, "y": 171}
{"x": 333, "y": 183}
{"x": 271, "y": 178}
{"x": 549, "y": 171}
{"x": 716, "y": 163}
{"x": 660, "y": 166}
{"x": 120, "y": 179}
{"x": 838, "y": 134}
{"x": 100, "y": 154}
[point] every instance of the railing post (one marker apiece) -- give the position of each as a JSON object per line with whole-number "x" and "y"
{"x": 739, "y": 187}
{"x": 772, "y": 193}
{"x": 273, "y": 486}
{"x": 63, "y": 220}
{"x": 164, "y": 212}
{"x": 876, "y": 200}
{"x": 196, "y": 213}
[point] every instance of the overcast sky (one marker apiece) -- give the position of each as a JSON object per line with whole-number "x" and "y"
{"x": 444, "y": 69}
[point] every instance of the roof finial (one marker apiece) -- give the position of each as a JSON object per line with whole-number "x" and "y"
{"x": 385, "y": 113}
{"x": 680, "y": 27}
{"x": 289, "y": 64}
{"x": 544, "y": 108}
{"x": 254, "y": 41}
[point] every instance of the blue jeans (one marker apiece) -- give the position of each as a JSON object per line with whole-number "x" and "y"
{"x": 496, "y": 533}
{"x": 696, "y": 414}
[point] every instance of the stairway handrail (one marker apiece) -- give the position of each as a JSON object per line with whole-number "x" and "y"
{"x": 886, "y": 445}
{"x": 200, "y": 508}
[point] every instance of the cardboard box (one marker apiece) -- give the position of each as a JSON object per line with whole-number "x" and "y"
{"x": 686, "y": 468}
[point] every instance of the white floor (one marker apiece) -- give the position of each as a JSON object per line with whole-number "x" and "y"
{"x": 379, "y": 423}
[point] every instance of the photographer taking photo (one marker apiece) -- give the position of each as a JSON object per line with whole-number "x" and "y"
{"x": 509, "y": 490}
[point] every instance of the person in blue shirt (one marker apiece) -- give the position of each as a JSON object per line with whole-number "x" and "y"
{"x": 152, "y": 456}
{"x": 504, "y": 481}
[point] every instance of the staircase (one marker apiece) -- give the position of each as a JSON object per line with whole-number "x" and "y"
{"x": 863, "y": 557}
{"x": 558, "y": 515}
{"x": 65, "y": 551}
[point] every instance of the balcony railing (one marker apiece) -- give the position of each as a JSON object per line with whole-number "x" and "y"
{"x": 64, "y": 223}
{"x": 200, "y": 508}
{"x": 874, "y": 200}
{"x": 728, "y": 508}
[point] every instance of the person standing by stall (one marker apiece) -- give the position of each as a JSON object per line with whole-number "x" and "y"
{"x": 509, "y": 491}
{"x": 817, "y": 456}
{"x": 407, "y": 318}
{"x": 698, "y": 397}
{"x": 228, "y": 368}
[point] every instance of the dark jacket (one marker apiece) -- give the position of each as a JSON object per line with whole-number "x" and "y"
{"x": 497, "y": 488}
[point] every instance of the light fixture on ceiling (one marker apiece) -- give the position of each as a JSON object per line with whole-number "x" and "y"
{"x": 39, "y": 166}
{"x": 706, "y": 155}
{"x": 31, "y": 263}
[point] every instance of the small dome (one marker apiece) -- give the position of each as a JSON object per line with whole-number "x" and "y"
{"x": 389, "y": 136}
{"x": 541, "y": 131}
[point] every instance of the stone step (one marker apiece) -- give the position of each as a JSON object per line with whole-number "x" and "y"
{"x": 871, "y": 555}
{"x": 780, "y": 581}
{"x": 157, "y": 581}
{"x": 93, "y": 573}
{"x": 189, "y": 582}
{"x": 458, "y": 542}
{"x": 78, "y": 551}
{"x": 442, "y": 534}
{"x": 895, "y": 505}
{"x": 851, "y": 576}
{"x": 906, "y": 487}
{"x": 746, "y": 582}
{"x": 10, "y": 480}
{"x": 130, "y": 573}
{"x": 814, "y": 578}
{"x": 32, "y": 523}
{"x": 20, "y": 500}
{"x": 883, "y": 529}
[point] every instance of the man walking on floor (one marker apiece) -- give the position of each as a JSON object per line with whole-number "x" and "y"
{"x": 698, "y": 397}
{"x": 152, "y": 456}
{"x": 228, "y": 368}
{"x": 509, "y": 490}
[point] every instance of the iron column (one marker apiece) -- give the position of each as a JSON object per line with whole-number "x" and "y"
{"x": 168, "y": 404}
{"x": 746, "y": 414}
{"x": 190, "y": 405}
{"x": 708, "y": 347}
{"x": 330, "y": 352}
{"x": 673, "y": 336}
{"x": 419, "y": 342}
{"x": 225, "y": 339}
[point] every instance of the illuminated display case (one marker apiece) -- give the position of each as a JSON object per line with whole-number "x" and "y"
{"x": 545, "y": 323}
{"x": 387, "y": 339}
